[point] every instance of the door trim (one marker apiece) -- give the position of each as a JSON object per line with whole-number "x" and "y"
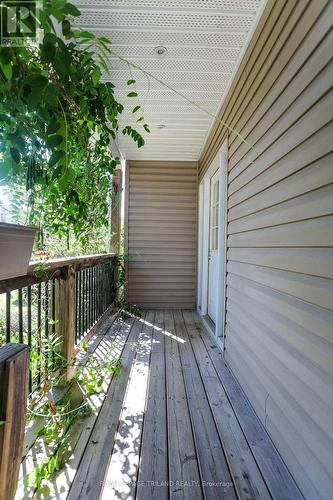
{"x": 219, "y": 163}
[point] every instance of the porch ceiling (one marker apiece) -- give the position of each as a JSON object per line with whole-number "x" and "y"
{"x": 204, "y": 41}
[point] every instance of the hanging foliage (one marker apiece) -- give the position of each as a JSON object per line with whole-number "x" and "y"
{"x": 56, "y": 120}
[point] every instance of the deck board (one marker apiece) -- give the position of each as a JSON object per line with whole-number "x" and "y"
{"x": 154, "y": 448}
{"x": 183, "y": 465}
{"x": 175, "y": 424}
{"x": 214, "y": 471}
{"x": 90, "y": 477}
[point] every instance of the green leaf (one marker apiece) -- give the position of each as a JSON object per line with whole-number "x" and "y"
{"x": 53, "y": 127}
{"x": 72, "y": 10}
{"x": 84, "y": 34}
{"x": 146, "y": 128}
{"x": 140, "y": 119}
{"x": 50, "y": 39}
{"x": 15, "y": 154}
{"x": 136, "y": 109}
{"x": 51, "y": 95}
{"x": 7, "y": 70}
{"x": 96, "y": 75}
{"x": 103, "y": 39}
{"x": 58, "y": 4}
{"x": 54, "y": 141}
{"x": 130, "y": 82}
{"x": 60, "y": 66}
{"x": 66, "y": 28}
{"x": 6, "y": 55}
{"x": 132, "y": 94}
{"x": 55, "y": 157}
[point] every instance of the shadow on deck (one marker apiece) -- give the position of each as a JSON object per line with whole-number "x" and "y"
{"x": 174, "y": 423}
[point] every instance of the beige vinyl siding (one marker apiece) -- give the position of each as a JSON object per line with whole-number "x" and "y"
{"x": 162, "y": 233}
{"x": 279, "y": 308}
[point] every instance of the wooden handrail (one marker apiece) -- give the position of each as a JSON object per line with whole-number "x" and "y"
{"x": 65, "y": 281}
{"x": 55, "y": 268}
{"x": 80, "y": 262}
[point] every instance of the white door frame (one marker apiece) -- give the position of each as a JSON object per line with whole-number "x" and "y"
{"x": 219, "y": 163}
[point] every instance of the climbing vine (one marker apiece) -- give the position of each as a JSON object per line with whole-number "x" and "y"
{"x": 58, "y": 119}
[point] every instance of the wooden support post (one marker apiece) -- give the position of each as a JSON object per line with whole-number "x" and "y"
{"x": 116, "y": 212}
{"x": 67, "y": 318}
{"x": 14, "y": 369}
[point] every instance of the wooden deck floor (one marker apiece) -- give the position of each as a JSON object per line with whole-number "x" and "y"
{"x": 174, "y": 423}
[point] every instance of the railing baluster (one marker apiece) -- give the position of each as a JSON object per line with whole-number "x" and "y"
{"x": 20, "y": 305}
{"x": 53, "y": 317}
{"x": 89, "y": 298}
{"x": 8, "y": 301}
{"x": 95, "y": 315}
{"x": 80, "y": 304}
{"x": 39, "y": 326}
{"x": 83, "y": 301}
{"x": 29, "y": 329}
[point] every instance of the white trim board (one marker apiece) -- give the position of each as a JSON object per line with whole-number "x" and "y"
{"x": 219, "y": 163}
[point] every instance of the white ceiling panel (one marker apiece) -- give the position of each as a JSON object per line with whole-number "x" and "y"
{"x": 204, "y": 41}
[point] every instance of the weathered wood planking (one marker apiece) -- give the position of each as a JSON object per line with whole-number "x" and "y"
{"x": 215, "y": 474}
{"x": 36, "y": 449}
{"x": 184, "y": 475}
{"x": 121, "y": 476}
{"x": 172, "y": 422}
{"x": 79, "y": 433}
{"x": 14, "y": 365}
{"x": 93, "y": 466}
{"x": 154, "y": 449}
{"x": 244, "y": 469}
{"x": 274, "y": 471}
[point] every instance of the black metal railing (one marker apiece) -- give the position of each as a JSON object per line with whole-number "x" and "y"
{"x": 30, "y": 309}
{"x": 94, "y": 293}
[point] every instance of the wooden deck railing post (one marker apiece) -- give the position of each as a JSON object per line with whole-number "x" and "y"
{"x": 115, "y": 238}
{"x": 116, "y": 212}
{"x": 14, "y": 369}
{"x": 67, "y": 318}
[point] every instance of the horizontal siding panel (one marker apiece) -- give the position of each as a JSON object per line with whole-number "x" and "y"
{"x": 159, "y": 246}
{"x": 318, "y": 262}
{"x": 179, "y": 259}
{"x": 269, "y": 192}
{"x": 313, "y": 205}
{"x": 148, "y": 231}
{"x": 294, "y": 20}
{"x": 317, "y": 146}
{"x": 316, "y": 118}
{"x": 304, "y": 316}
{"x": 294, "y": 420}
{"x": 276, "y": 101}
{"x": 275, "y": 27}
{"x": 279, "y": 305}
{"x": 276, "y": 360}
{"x": 269, "y": 327}
{"x": 288, "y": 323}
{"x": 159, "y": 264}
{"x": 164, "y": 305}
{"x": 318, "y": 291}
{"x": 178, "y": 190}
{"x": 313, "y": 233}
{"x": 162, "y": 234}
{"x": 300, "y": 455}
{"x": 305, "y": 101}
{"x": 141, "y": 280}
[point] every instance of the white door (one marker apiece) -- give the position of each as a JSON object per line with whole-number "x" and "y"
{"x": 213, "y": 268}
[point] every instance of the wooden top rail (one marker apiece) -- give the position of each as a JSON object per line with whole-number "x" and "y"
{"x": 55, "y": 268}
